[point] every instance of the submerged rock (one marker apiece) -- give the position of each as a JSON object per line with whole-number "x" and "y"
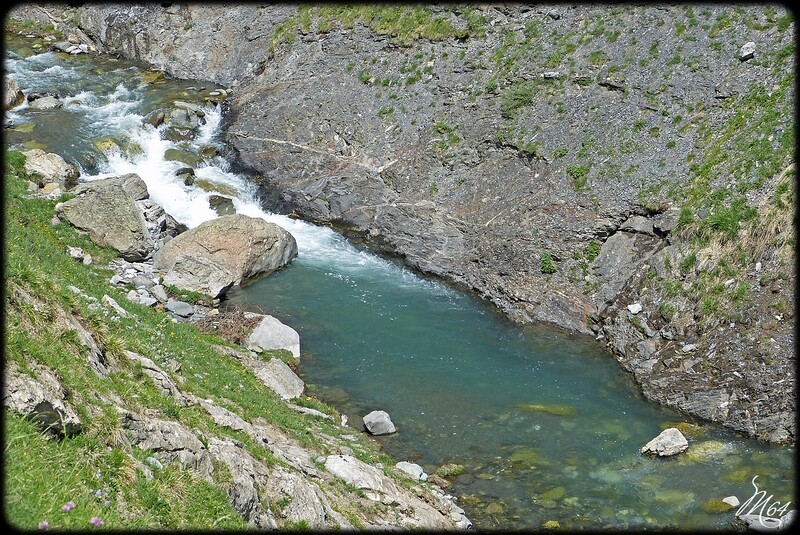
{"x": 556, "y": 493}
{"x": 221, "y": 204}
{"x": 183, "y": 156}
{"x": 528, "y": 457}
{"x": 450, "y": 470}
{"x": 107, "y": 146}
{"x": 209, "y": 186}
{"x": 555, "y": 410}
{"x": 716, "y": 505}
{"x": 709, "y": 450}
{"x": 688, "y": 429}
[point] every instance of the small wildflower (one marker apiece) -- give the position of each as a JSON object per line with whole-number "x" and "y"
{"x": 106, "y": 503}
{"x": 44, "y": 524}
{"x": 98, "y": 493}
{"x": 69, "y": 506}
{"x": 95, "y": 521}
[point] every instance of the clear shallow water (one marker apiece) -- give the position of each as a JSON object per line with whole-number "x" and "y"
{"x": 545, "y": 423}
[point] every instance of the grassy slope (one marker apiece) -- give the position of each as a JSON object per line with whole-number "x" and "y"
{"x": 42, "y": 474}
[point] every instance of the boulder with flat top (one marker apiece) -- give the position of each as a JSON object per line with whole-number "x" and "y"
{"x": 107, "y": 211}
{"x": 217, "y": 254}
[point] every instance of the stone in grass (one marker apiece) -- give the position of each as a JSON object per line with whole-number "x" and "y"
{"x": 179, "y": 308}
{"x": 669, "y": 442}
{"x": 280, "y": 378}
{"x": 413, "y": 470}
{"x": 270, "y": 333}
{"x": 159, "y": 293}
{"x": 747, "y": 51}
{"x": 635, "y": 308}
{"x": 379, "y": 423}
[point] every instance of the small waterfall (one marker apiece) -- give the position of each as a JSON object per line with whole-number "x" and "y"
{"x": 113, "y": 105}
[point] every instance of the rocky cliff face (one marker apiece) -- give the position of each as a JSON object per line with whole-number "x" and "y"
{"x": 564, "y": 162}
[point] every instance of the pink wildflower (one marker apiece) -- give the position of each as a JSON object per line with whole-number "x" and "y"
{"x": 95, "y": 521}
{"x": 69, "y": 506}
{"x": 44, "y": 524}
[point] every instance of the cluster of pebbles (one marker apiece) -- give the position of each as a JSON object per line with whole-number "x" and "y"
{"x": 145, "y": 288}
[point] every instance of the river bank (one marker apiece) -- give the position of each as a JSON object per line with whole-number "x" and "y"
{"x": 614, "y": 206}
{"x": 156, "y": 424}
{"x": 362, "y": 258}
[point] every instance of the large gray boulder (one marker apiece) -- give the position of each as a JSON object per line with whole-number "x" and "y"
{"x": 45, "y": 167}
{"x": 247, "y": 476}
{"x": 41, "y": 399}
{"x": 412, "y": 470}
{"x": 280, "y": 378}
{"x": 12, "y": 95}
{"x": 172, "y": 441}
{"x": 217, "y": 254}
{"x": 131, "y": 183}
{"x": 379, "y": 423}
{"x": 362, "y": 476}
{"x": 619, "y": 256}
{"x": 304, "y": 501}
{"x": 270, "y": 333}
{"x": 108, "y": 212}
{"x": 669, "y": 442}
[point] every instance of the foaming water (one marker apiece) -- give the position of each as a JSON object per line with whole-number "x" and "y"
{"x": 545, "y": 424}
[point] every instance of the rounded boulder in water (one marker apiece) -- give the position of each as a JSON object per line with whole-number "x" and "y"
{"x": 379, "y": 423}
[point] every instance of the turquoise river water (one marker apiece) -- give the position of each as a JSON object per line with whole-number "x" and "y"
{"x": 546, "y": 425}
